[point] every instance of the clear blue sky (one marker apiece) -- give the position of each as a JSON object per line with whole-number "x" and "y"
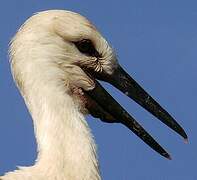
{"x": 156, "y": 42}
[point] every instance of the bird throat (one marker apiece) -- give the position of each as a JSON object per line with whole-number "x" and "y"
{"x": 66, "y": 149}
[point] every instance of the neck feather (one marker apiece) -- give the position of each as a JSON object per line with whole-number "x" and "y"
{"x": 66, "y": 149}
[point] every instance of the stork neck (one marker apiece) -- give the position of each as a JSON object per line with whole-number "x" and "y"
{"x": 66, "y": 150}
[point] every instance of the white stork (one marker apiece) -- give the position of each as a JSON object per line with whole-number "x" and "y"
{"x": 56, "y": 57}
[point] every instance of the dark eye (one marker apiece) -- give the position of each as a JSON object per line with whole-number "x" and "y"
{"x": 86, "y": 46}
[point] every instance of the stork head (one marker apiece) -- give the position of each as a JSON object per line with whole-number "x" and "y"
{"x": 65, "y": 48}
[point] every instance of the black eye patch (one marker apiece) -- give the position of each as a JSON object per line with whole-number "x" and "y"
{"x": 86, "y": 46}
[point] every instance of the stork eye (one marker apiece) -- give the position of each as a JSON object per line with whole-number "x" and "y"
{"x": 86, "y": 46}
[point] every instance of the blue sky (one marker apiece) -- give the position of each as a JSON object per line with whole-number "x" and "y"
{"x": 156, "y": 42}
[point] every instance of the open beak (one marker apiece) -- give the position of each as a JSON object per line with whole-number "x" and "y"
{"x": 105, "y": 107}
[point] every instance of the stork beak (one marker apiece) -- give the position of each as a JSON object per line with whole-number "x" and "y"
{"x": 109, "y": 110}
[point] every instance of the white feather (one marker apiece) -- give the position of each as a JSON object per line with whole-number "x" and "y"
{"x": 43, "y": 65}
